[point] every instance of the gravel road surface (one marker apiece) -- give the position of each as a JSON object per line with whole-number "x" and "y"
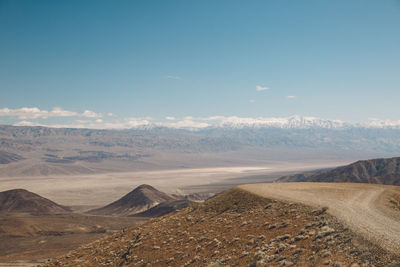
{"x": 362, "y": 207}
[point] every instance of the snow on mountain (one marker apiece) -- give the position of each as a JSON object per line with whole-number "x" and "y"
{"x": 375, "y": 123}
{"x": 292, "y": 122}
{"x": 220, "y": 122}
{"x": 296, "y": 122}
{"x": 234, "y": 122}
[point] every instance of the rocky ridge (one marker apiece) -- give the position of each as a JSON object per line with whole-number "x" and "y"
{"x": 236, "y": 228}
{"x": 374, "y": 171}
{"x": 37, "y": 151}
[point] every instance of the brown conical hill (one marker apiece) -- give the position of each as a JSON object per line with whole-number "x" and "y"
{"x": 140, "y": 199}
{"x": 164, "y": 208}
{"x": 23, "y": 201}
{"x": 374, "y": 171}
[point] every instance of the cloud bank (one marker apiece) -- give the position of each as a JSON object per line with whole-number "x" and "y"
{"x": 36, "y": 113}
{"x": 33, "y": 116}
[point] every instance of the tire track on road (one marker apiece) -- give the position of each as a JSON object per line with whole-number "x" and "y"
{"x": 356, "y": 205}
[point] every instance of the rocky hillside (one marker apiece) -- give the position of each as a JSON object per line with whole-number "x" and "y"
{"x": 23, "y": 201}
{"x": 374, "y": 171}
{"x": 66, "y": 151}
{"x": 140, "y": 199}
{"x": 6, "y": 157}
{"x": 235, "y": 228}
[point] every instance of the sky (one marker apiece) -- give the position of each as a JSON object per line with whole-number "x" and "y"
{"x": 79, "y": 62}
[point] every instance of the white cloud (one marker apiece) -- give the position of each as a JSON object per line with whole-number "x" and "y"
{"x": 252, "y": 101}
{"x": 212, "y": 118}
{"x": 27, "y": 123}
{"x": 185, "y": 124}
{"x": 173, "y": 77}
{"x": 127, "y": 123}
{"x": 59, "y": 112}
{"x": 261, "y": 88}
{"x": 89, "y": 119}
{"x": 291, "y": 96}
{"x": 91, "y": 114}
{"x": 196, "y": 123}
{"x": 36, "y": 113}
{"x": 134, "y": 122}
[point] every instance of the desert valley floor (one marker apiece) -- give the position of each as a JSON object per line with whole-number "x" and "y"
{"x": 87, "y": 191}
{"x": 274, "y": 224}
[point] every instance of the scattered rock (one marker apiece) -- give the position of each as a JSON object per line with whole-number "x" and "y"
{"x": 232, "y": 229}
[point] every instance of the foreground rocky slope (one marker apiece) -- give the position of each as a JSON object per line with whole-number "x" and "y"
{"x": 365, "y": 208}
{"x": 235, "y": 228}
{"x": 23, "y": 201}
{"x": 374, "y": 171}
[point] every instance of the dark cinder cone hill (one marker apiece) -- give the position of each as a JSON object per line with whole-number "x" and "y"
{"x": 140, "y": 199}
{"x": 23, "y": 201}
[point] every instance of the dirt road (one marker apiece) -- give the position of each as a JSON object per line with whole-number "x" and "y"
{"x": 362, "y": 207}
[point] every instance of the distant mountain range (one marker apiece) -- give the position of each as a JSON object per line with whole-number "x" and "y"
{"x": 35, "y": 151}
{"x": 23, "y": 201}
{"x": 374, "y": 171}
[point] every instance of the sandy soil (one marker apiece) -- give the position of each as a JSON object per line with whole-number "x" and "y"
{"x": 236, "y": 228}
{"x": 26, "y": 240}
{"x": 95, "y": 190}
{"x": 360, "y": 206}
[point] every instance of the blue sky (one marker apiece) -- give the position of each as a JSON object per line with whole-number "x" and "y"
{"x": 337, "y": 59}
